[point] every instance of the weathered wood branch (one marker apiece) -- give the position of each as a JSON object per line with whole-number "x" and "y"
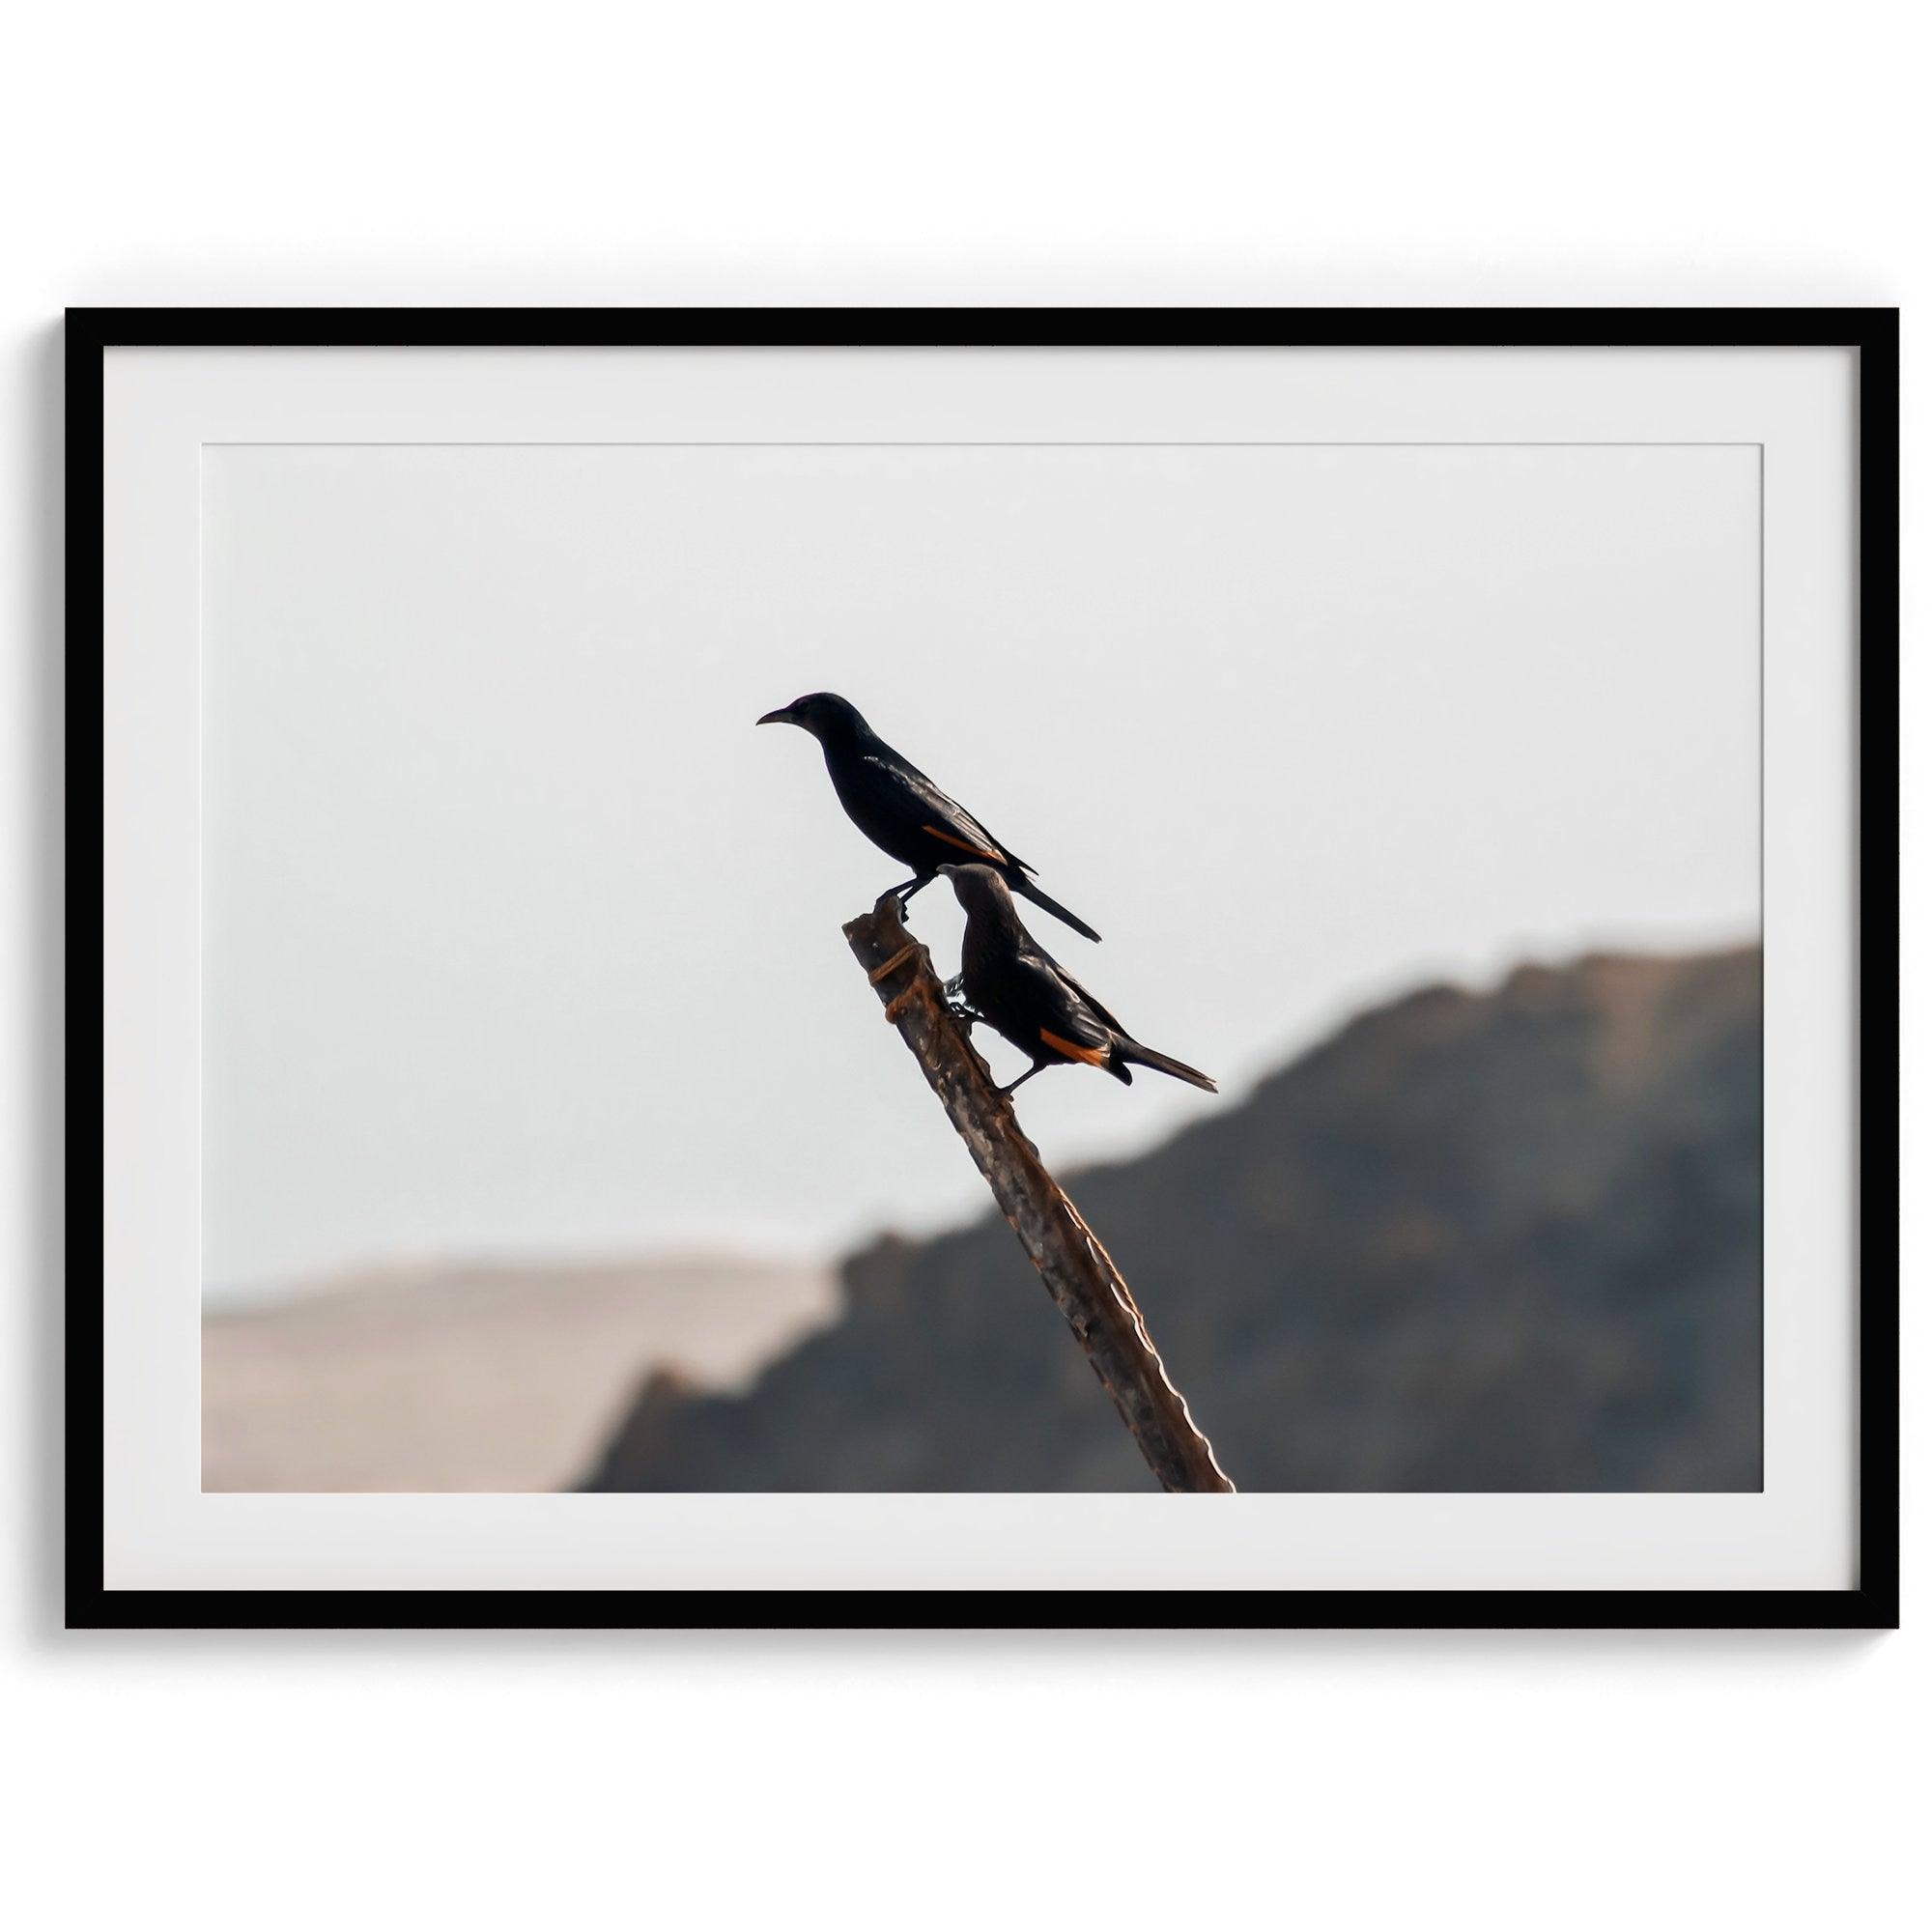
{"x": 1079, "y": 1274}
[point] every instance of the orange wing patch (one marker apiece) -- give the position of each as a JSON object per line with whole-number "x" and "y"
{"x": 975, "y": 851}
{"x": 1093, "y": 1055}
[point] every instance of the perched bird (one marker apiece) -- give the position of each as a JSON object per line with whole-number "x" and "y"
{"x": 899, "y": 809}
{"x": 1024, "y": 994}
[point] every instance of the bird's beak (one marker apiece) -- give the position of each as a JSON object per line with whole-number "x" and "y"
{"x": 947, "y": 871}
{"x": 781, "y": 716}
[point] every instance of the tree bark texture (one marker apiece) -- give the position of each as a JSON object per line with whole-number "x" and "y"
{"x": 1079, "y": 1274}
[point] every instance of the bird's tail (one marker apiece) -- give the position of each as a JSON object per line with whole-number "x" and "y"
{"x": 1146, "y": 1056}
{"x": 1018, "y": 882}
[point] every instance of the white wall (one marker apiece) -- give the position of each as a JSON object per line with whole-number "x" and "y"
{"x": 367, "y": 154}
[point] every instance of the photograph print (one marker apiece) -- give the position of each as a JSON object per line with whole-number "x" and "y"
{"x": 1310, "y": 893}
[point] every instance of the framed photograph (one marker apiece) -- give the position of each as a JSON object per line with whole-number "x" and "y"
{"x": 538, "y": 749}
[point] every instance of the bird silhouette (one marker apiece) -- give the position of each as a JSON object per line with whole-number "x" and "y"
{"x": 1025, "y": 996}
{"x": 901, "y": 809}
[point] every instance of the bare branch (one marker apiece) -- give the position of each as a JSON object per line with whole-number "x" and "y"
{"x": 1079, "y": 1273}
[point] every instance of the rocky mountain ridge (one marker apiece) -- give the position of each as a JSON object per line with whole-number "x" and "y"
{"x": 1497, "y": 1240}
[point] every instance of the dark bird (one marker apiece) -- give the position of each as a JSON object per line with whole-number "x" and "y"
{"x": 1025, "y": 995}
{"x": 899, "y": 809}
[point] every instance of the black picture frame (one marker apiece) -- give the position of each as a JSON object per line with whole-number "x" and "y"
{"x": 1872, "y": 332}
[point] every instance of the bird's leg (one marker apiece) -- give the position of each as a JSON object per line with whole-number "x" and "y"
{"x": 1010, "y": 1090}
{"x": 904, "y": 894}
{"x": 959, "y": 1006}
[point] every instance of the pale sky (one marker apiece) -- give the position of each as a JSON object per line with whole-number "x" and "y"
{"x": 521, "y": 940}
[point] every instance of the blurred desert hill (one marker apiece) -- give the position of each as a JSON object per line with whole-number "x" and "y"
{"x": 1474, "y": 1241}
{"x": 479, "y": 1378}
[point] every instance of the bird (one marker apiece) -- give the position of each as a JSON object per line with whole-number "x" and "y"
{"x": 901, "y": 809}
{"x": 1025, "y": 996}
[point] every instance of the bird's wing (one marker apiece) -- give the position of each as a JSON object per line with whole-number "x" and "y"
{"x": 949, "y": 823}
{"x": 1092, "y": 1023}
